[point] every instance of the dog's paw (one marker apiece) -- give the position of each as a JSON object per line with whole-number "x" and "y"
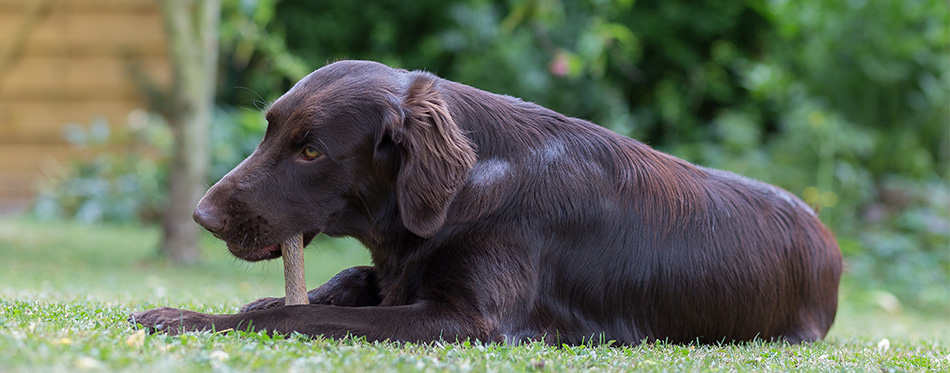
{"x": 263, "y": 304}
{"x": 170, "y": 320}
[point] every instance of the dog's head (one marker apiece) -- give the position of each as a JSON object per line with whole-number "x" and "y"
{"x": 349, "y": 146}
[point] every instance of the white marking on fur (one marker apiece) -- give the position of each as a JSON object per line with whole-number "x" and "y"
{"x": 489, "y": 171}
{"x": 791, "y": 199}
{"x": 551, "y": 151}
{"x": 782, "y": 194}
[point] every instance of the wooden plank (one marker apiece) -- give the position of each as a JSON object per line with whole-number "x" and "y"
{"x": 24, "y": 166}
{"x": 85, "y": 5}
{"x": 71, "y": 67}
{"x": 135, "y": 33}
{"x": 38, "y": 158}
{"x": 18, "y": 184}
{"x": 125, "y": 92}
{"x": 64, "y": 77}
{"x": 43, "y": 122}
{"x": 142, "y": 49}
{"x": 13, "y": 206}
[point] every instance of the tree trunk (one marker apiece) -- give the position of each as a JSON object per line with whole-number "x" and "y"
{"x": 192, "y": 29}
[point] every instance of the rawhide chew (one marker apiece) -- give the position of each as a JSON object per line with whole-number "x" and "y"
{"x": 295, "y": 285}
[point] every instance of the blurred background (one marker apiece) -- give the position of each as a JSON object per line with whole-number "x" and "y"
{"x": 844, "y": 103}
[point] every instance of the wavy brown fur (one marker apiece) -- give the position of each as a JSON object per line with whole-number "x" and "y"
{"x": 496, "y": 219}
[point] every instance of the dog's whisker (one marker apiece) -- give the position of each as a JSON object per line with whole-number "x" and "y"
{"x": 261, "y": 104}
{"x": 369, "y": 213}
{"x": 325, "y": 146}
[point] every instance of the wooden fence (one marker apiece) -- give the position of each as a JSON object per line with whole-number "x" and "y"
{"x": 68, "y": 61}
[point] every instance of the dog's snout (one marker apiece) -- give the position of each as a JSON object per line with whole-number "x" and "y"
{"x": 209, "y": 217}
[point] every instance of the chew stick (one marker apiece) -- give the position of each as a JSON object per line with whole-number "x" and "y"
{"x": 295, "y": 286}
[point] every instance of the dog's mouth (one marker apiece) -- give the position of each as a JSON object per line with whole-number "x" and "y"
{"x": 256, "y": 254}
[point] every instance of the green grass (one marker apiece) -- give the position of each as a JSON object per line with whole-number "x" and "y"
{"x": 66, "y": 291}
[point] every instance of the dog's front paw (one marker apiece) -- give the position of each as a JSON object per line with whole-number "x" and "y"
{"x": 171, "y": 320}
{"x": 263, "y": 304}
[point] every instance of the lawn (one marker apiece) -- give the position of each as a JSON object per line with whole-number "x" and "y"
{"x": 66, "y": 291}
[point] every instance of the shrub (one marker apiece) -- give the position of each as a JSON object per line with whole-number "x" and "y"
{"x": 125, "y": 180}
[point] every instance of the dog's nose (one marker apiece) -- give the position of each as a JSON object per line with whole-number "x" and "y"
{"x": 209, "y": 217}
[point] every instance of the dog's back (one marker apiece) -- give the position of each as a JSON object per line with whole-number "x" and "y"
{"x": 638, "y": 244}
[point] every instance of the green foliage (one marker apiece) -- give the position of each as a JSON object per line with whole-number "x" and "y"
{"x": 246, "y": 31}
{"x": 235, "y": 134}
{"x": 843, "y": 103}
{"x": 860, "y": 90}
{"x": 883, "y": 65}
{"x": 122, "y": 182}
{"x": 125, "y": 180}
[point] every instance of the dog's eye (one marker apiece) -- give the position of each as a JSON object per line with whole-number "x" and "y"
{"x": 310, "y": 153}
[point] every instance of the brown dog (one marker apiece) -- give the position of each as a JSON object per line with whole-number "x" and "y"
{"x": 495, "y": 219}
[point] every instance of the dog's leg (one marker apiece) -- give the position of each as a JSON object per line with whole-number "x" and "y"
{"x": 418, "y": 322}
{"x": 352, "y": 287}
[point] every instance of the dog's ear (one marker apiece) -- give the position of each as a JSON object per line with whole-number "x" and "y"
{"x": 436, "y": 156}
